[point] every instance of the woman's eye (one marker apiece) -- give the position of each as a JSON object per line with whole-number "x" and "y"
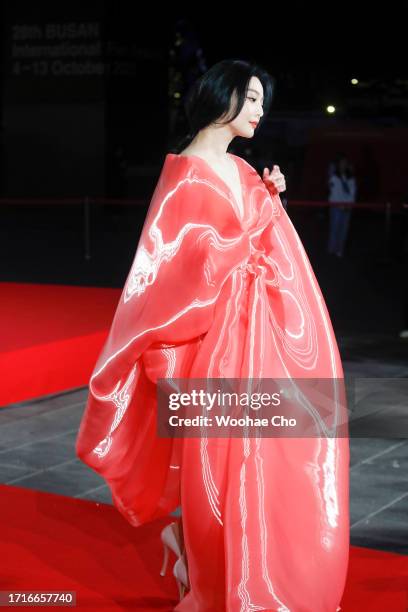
{"x": 253, "y": 100}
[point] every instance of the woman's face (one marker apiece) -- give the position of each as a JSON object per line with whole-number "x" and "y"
{"x": 245, "y": 123}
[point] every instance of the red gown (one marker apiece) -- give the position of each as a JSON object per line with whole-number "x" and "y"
{"x": 212, "y": 294}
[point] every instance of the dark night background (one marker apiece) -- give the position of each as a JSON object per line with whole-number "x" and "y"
{"x": 92, "y": 98}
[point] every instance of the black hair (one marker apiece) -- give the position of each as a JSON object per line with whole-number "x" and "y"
{"x": 209, "y": 98}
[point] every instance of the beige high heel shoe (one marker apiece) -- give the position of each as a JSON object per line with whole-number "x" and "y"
{"x": 180, "y": 573}
{"x": 171, "y": 539}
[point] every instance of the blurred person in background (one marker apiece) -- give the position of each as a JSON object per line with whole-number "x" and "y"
{"x": 342, "y": 189}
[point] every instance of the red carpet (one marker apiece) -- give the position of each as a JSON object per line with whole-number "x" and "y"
{"x": 50, "y": 337}
{"x": 54, "y": 542}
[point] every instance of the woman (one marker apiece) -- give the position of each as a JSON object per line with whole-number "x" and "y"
{"x": 342, "y": 188}
{"x": 221, "y": 288}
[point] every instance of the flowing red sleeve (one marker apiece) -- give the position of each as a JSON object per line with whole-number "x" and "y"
{"x": 185, "y": 252}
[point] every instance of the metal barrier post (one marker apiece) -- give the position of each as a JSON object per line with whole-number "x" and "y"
{"x": 87, "y": 229}
{"x": 387, "y": 231}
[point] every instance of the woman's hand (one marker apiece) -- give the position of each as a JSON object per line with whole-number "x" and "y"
{"x": 274, "y": 181}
